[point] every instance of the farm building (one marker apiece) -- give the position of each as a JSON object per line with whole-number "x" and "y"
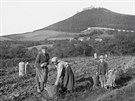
{"x": 97, "y": 28}
{"x": 132, "y": 31}
{"x": 98, "y": 39}
{"x": 84, "y": 38}
{"x": 105, "y": 29}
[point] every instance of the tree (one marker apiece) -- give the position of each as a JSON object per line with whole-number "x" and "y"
{"x": 4, "y": 51}
{"x": 125, "y": 44}
{"x": 18, "y": 52}
{"x": 32, "y": 53}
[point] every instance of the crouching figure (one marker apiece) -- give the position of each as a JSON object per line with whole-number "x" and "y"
{"x": 65, "y": 77}
{"x": 110, "y": 83}
{"x": 113, "y": 76}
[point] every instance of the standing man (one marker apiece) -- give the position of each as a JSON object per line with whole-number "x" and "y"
{"x": 65, "y": 76}
{"x": 102, "y": 70}
{"x": 41, "y": 63}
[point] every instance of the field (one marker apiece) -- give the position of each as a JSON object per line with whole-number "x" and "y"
{"x": 39, "y": 46}
{"x": 46, "y": 34}
{"x": 24, "y": 88}
{"x": 39, "y": 35}
{"x": 3, "y": 38}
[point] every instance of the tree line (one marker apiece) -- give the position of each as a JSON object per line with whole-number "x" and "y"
{"x": 121, "y": 44}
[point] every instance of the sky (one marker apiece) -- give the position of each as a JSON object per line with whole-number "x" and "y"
{"x": 20, "y": 16}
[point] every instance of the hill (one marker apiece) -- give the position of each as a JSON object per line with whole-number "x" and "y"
{"x": 68, "y": 28}
{"x": 4, "y": 38}
{"x": 40, "y": 35}
{"x": 95, "y": 17}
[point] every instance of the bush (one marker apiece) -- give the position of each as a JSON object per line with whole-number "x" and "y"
{"x": 71, "y": 49}
{"x": 121, "y": 44}
{"x": 18, "y": 52}
{"x": 32, "y": 53}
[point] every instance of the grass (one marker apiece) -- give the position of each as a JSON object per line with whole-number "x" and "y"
{"x": 126, "y": 93}
{"x": 39, "y": 46}
{"x": 39, "y": 35}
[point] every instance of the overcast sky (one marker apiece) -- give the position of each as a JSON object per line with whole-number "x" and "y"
{"x": 19, "y": 16}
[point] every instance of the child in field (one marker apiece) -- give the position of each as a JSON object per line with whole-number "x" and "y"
{"x": 102, "y": 69}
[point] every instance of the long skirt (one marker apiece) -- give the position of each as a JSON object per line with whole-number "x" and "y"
{"x": 41, "y": 77}
{"x": 68, "y": 80}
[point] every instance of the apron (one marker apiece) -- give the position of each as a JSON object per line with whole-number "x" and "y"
{"x": 67, "y": 78}
{"x": 41, "y": 74}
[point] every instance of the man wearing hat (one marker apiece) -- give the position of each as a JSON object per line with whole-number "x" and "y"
{"x": 65, "y": 76}
{"x": 41, "y": 63}
{"x": 102, "y": 69}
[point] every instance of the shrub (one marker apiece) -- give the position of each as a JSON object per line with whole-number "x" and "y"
{"x": 71, "y": 49}
{"x": 9, "y": 63}
{"x": 32, "y": 53}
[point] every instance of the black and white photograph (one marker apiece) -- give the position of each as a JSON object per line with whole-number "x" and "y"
{"x": 67, "y": 50}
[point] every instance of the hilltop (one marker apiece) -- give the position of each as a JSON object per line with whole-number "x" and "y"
{"x": 95, "y": 17}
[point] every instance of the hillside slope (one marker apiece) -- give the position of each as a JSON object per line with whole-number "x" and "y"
{"x": 4, "y": 38}
{"x": 124, "y": 94}
{"x": 40, "y": 35}
{"x": 96, "y": 17}
{"x": 24, "y": 89}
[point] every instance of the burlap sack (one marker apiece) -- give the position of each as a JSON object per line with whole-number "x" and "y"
{"x": 51, "y": 90}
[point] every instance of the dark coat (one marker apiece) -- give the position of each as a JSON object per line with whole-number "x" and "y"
{"x": 42, "y": 72}
{"x": 42, "y": 58}
{"x": 67, "y": 79}
{"x": 102, "y": 68}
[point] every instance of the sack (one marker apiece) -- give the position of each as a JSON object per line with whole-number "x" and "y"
{"x": 51, "y": 90}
